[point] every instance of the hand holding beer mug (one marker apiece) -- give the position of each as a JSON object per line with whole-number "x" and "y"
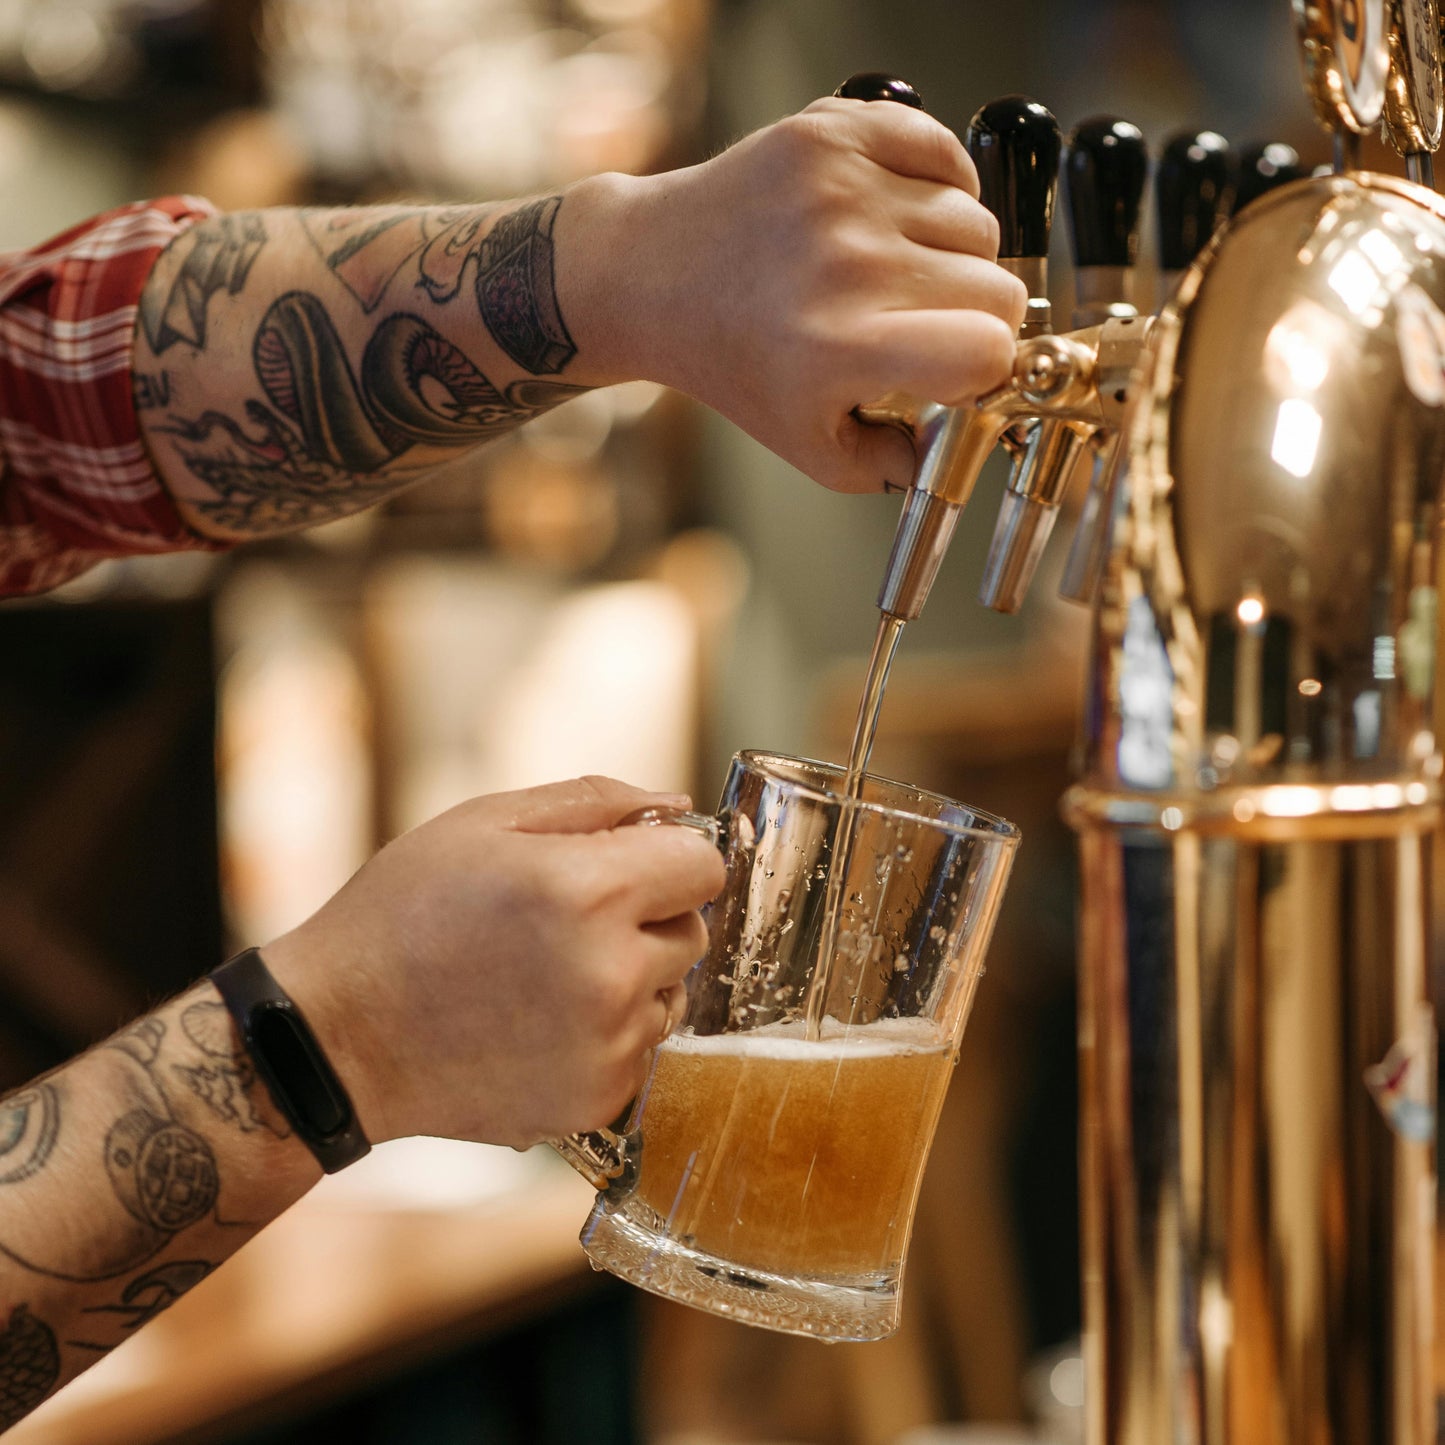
{"x": 769, "y": 1168}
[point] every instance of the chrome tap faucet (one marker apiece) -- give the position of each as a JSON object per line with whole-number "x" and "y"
{"x": 1105, "y": 168}
{"x": 1015, "y": 145}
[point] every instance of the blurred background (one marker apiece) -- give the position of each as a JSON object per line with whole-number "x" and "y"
{"x": 211, "y": 745}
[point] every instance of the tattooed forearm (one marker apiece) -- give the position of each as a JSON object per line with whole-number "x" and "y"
{"x": 160, "y": 1135}
{"x": 206, "y": 259}
{"x": 329, "y": 438}
{"x": 356, "y": 390}
{"x": 29, "y": 1365}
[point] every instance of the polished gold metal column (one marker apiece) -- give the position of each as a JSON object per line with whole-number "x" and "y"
{"x": 1259, "y": 791}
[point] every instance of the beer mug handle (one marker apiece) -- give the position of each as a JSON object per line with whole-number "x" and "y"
{"x": 600, "y": 1156}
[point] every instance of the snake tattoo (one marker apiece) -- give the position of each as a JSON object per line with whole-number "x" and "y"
{"x": 336, "y": 433}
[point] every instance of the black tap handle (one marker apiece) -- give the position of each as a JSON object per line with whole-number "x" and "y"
{"x": 1262, "y": 168}
{"x": 875, "y": 85}
{"x": 1015, "y": 145}
{"x": 1194, "y": 189}
{"x": 1106, "y": 165}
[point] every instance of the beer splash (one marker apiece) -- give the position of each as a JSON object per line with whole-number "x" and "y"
{"x": 885, "y": 644}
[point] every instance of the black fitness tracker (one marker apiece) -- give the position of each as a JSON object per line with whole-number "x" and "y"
{"x": 288, "y": 1058}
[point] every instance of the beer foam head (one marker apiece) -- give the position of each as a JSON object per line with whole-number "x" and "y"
{"x": 839, "y": 1040}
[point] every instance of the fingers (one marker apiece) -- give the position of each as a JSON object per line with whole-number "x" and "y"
{"x": 872, "y": 458}
{"x": 582, "y": 805}
{"x": 942, "y": 217}
{"x": 668, "y": 870}
{"x": 906, "y": 141}
{"x": 674, "y": 1008}
{"x": 951, "y": 357}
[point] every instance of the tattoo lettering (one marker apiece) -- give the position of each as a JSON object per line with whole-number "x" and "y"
{"x": 517, "y": 289}
{"x": 228, "y": 1086}
{"x": 216, "y": 255}
{"x": 151, "y": 390}
{"x": 148, "y": 1295}
{"x": 29, "y": 1365}
{"x": 29, "y": 1122}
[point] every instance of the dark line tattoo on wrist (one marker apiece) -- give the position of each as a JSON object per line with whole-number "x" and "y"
{"x": 29, "y": 1365}
{"x": 215, "y": 255}
{"x": 29, "y": 1123}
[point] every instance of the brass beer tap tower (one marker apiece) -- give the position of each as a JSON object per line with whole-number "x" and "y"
{"x": 1259, "y": 783}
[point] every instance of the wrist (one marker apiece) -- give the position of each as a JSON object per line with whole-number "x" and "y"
{"x": 330, "y": 992}
{"x": 609, "y": 287}
{"x": 294, "y": 1068}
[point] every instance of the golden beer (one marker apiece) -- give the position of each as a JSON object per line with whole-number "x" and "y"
{"x": 788, "y": 1155}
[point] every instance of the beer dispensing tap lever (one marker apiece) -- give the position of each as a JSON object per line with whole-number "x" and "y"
{"x": 1261, "y": 169}
{"x": 1105, "y": 167}
{"x": 1193, "y": 194}
{"x": 1015, "y": 145}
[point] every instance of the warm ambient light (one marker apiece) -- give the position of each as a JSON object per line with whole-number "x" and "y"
{"x": 1250, "y": 611}
{"x": 1310, "y": 687}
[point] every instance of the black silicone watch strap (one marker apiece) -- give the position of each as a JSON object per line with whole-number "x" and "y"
{"x": 288, "y": 1058}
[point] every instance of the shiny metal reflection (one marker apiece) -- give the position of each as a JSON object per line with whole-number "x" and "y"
{"x": 1259, "y": 789}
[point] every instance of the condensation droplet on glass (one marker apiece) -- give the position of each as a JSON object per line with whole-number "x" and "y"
{"x": 936, "y": 933}
{"x": 900, "y": 964}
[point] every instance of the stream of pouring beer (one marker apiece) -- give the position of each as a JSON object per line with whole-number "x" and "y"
{"x": 885, "y": 644}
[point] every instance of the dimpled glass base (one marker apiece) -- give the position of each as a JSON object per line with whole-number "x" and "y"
{"x": 819, "y": 1309}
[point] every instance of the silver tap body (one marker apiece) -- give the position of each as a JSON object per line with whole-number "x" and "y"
{"x": 1259, "y": 789}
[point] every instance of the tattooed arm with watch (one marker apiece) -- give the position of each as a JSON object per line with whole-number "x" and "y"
{"x": 498, "y": 974}
{"x": 295, "y": 365}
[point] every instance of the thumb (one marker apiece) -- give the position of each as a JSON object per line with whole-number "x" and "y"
{"x": 874, "y": 458}
{"x": 584, "y": 805}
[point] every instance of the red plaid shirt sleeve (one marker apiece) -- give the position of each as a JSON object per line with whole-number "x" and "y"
{"x": 77, "y": 484}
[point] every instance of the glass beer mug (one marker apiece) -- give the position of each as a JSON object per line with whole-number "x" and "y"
{"x": 769, "y": 1167}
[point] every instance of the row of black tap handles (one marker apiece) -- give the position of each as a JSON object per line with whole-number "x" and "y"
{"x": 1018, "y": 149}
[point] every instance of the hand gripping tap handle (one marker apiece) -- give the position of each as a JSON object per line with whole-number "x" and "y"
{"x": 1015, "y": 144}
{"x": 1105, "y": 168}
